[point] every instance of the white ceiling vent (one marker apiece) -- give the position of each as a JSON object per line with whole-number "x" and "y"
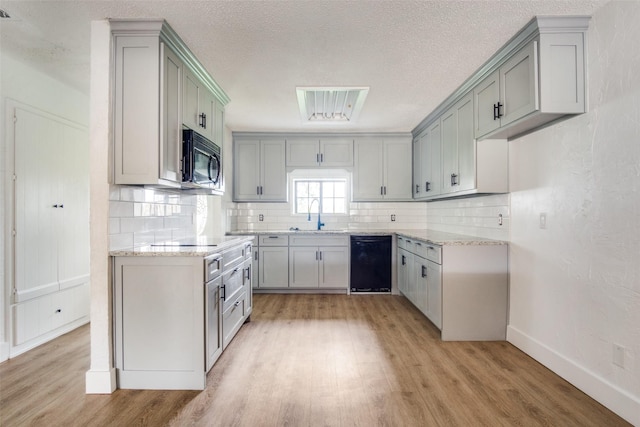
{"x": 330, "y": 104}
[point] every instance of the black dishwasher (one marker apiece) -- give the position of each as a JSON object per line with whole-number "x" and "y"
{"x": 370, "y": 264}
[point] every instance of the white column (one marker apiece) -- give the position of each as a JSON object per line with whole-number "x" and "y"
{"x": 101, "y": 377}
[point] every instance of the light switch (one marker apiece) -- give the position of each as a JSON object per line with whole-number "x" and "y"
{"x": 543, "y": 220}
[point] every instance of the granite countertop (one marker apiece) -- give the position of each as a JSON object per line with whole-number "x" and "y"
{"x": 428, "y": 236}
{"x": 201, "y": 247}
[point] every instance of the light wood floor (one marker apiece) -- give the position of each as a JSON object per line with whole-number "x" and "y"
{"x": 313, "y": 360}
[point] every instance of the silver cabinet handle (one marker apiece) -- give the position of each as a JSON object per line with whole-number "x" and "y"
{"x": 237, "y": 303}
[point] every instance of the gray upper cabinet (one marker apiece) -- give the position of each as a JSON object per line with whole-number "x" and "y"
{"x": 324, "y": 151}
{"x": 259, "y": 172}
{"x": 427, "y": 163}
{"x": 156, "y": 81}
{"x": 199, "y": 107}
{"x": 537, "y": 77}
{"x": 381, "y": 168}
{"x": 540, "y": 82}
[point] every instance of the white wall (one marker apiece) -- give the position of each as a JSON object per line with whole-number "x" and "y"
{"x": 575, "y": 286}
{"x": 23, "y": 83}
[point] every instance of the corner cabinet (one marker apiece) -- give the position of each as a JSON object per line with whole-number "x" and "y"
{"x": 157, "y": 80}
{"x": 537, "y": 77}
{"x": 259, "y": 172}
{"x": 381, "y": 169}
{"x": 427, "y": 166}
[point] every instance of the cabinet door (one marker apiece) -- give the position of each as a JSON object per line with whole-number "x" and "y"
{"x": 418, "y": 169}
{"x": 303, "y": 267}
{"x": 246, "y": 170}
{"x": 273, "y": 171}
{"x": 336, "y": 152}
{"x": 368, "y": 169}
{"x": 218, "y": 138}
{"x": 485, "y": 98}
{"x": 136, "y": 110}
{"x": 207, "y": 114}
{"x": 255, "y": 268}
{"x": 190, "y": 103}
{"x": 466, "y": 179}
{"x": 449, "y": 136}
{"x": 334, "y": 267}
{"x": 434, "y": 293}
{"x": 397, "y": 171}
{"x": 213, "y": 321}
{"x": 73, "y": 233}
{"x": 274, "y": 266}
{"x": 37, "y": 191}
{"x": 519, "y": 84}
{"x": 303, "y": 152}
{"x": 432, "y": 161}
{"x": 420, "y": 293}
{"x": 247, "y": 268}
{"x": 403, "y": 271}
{"x": 141, "y": 335}
{"x": 171, "y": 138}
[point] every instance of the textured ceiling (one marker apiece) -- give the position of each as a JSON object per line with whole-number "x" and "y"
{"x": 412, "y": 54}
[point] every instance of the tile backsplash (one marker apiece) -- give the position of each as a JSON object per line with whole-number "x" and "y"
{"x": 141, "y": 216}
{"x": 361, "y": 216}
{"x": 474, "y": 216}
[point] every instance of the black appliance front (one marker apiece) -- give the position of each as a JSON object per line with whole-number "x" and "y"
{"x": 370, "y": 264}
{"x": 201, "y": 161}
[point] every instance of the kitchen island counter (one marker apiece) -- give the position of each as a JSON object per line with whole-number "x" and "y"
{"x": 201, "y": 247}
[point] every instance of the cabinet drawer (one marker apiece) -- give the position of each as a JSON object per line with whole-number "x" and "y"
{"x": 430, "y": 251}
{"x": 232, "y": 282}
{"x": 212, "y": 267}
{"x": 315, "y": 240}
{"x": 402, "y": 242}
{"x": 232, "y": 318}
{"x": 274, "y": 240}
{"x": 232, "y": 257}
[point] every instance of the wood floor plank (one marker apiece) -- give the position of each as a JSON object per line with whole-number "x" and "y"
{"x": 313, "y": 360}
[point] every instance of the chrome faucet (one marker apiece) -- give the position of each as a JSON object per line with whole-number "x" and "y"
{"x": 320, "y": 224}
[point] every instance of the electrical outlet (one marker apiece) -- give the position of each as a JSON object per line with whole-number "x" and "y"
{"x": 393, "y": 217}
{"x": 543, "y": 220}
{"x": 499, "y": 219}
{"x": 260, "y": 217}
{"x": 618, "y": 355}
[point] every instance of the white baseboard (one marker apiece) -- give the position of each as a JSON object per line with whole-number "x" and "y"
{"x": 100, "y": 382}
{"x": 613, "y": 397}
{"x": 31, "y": 344}
{"x": 4, "y": 351}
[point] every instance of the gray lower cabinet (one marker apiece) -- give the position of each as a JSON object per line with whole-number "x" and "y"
{"x": 174, "y": 315}
{"x": 302, "y": 261}
{"x": 159, "y": 317}
{"x": 462, "y": 289}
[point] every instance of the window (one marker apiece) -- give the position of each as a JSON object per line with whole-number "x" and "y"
{"x": 326, "y": 196}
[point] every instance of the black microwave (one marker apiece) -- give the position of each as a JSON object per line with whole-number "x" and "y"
{"x": 201, "y": 162}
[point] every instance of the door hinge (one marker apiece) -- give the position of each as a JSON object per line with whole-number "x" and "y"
{"x": 13, "y": 233}
{"x": 14, "y": 177}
